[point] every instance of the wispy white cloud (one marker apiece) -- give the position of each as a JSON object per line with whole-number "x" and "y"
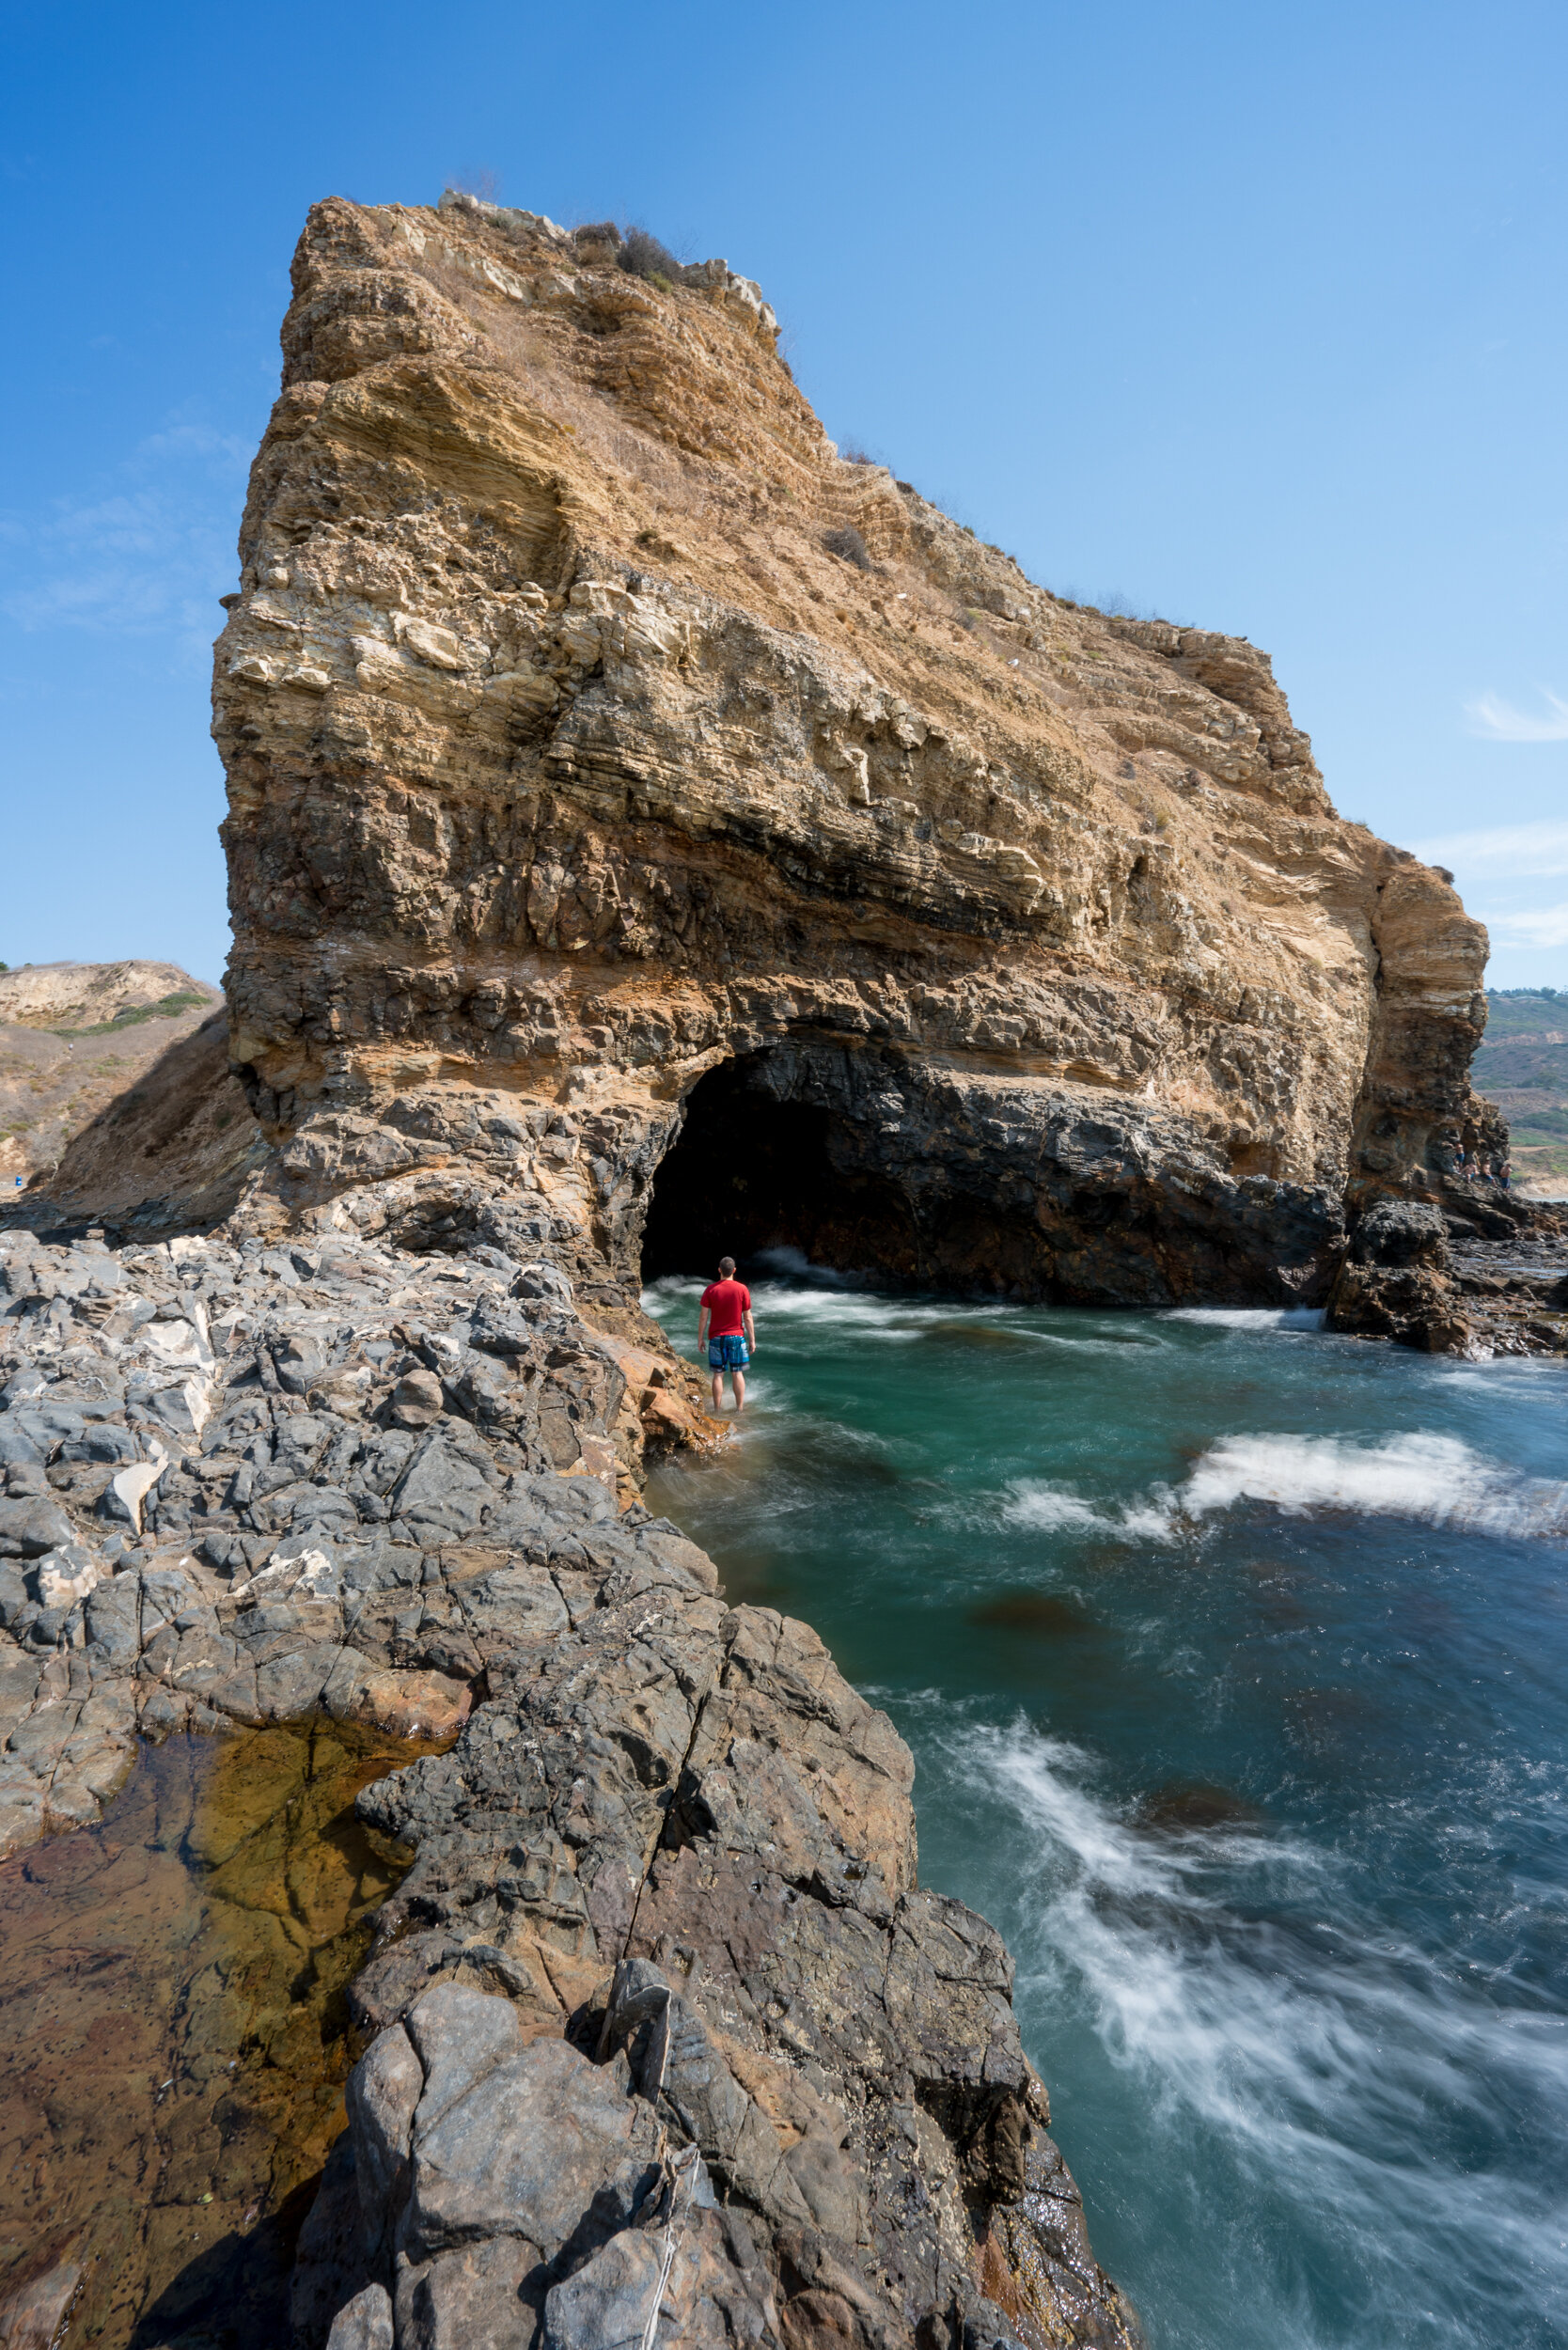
{"x": 194, "y": 440}
{"x": 1498, "y": 721}
{"x": 1546, "y": 926}
{"x": 1526, "y": 851}
{"x": 144, "y": 552}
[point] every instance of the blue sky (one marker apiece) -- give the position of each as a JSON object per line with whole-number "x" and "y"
{"x": 1252, "y": 316}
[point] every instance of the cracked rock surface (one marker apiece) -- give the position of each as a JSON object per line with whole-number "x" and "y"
{"x": 662, "y": 2039}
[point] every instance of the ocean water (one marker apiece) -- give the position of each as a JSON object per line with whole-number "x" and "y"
{"x": 1234, "y": 1659}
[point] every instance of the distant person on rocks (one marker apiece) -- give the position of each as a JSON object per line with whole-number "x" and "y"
{"x": 727, "y": 1331}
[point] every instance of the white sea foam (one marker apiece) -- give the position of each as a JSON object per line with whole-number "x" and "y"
{"x": 863, "y": 1312}
{"x": 1049, "y": 1507}
{"x": 1251, "y": 1317}
{"x": 1316, "y": 2060}
{"x": 1436, "y": 1481}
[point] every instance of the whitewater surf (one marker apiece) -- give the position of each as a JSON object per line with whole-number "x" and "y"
{"x": 1234, "y": 1659}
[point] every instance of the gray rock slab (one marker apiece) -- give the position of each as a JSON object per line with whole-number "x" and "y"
{"x": 364, "y": 2322}
{"x": 31, "y": 1527}
{"x": 543, "y": 2146}
{"x": 477, "y": 2297}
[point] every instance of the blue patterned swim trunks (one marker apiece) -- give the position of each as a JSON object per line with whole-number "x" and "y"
{"x": 728, "y": 1354}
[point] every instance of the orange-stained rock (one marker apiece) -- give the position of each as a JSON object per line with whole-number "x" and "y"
{"x": 416, "y": 1704}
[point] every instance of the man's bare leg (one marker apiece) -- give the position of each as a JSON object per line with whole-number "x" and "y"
{"x": 737, "y": 1380}
{"x": 718, "y": 1394}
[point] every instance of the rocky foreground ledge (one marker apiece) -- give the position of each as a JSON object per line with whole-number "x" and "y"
{"x": 662, "y": 2039}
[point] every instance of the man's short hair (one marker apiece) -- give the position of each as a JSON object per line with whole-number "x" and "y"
{"x": 727, "y": 1266}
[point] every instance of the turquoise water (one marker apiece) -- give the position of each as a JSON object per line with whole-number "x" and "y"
{"x": 1234, "y": 1659}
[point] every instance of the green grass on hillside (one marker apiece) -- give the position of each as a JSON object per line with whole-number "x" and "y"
{"x": 1523, "y": 1066}
{"x": 167, "y": 1007}
{"x": 1524, "y": 1012}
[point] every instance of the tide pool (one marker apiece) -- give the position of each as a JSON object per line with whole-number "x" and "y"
{"x": 1234, "y": 1659}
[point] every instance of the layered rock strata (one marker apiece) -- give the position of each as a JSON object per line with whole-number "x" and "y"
{"x": 664, "y": 2040}
{"x": 620, "y": 780}
{"x": 593, "y": 731}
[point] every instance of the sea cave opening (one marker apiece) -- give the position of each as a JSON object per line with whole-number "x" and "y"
{"x": 756, "y": 1167}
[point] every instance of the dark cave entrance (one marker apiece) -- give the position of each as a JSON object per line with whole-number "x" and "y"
{"x": 753, "y": 1169}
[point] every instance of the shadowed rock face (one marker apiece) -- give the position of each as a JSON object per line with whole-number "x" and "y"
{"x": 571, "y": 758}
{"x": 963, "y": 1179}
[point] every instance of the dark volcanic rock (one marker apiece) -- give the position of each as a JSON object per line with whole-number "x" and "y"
{"x": 1480, "y": 1274}
{"x": 1399, "y": 1232}
{"x": 660, "y": 2015}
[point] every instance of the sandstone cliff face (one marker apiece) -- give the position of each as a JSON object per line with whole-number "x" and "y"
{"x": 623, "y": 788}
{"x": 592, "y": 730}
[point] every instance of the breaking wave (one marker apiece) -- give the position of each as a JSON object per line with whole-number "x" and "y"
{"x": 1268, "y": 2034}
{"x": 1251, "y": 1317}
{"x": 1436, "y": 1481}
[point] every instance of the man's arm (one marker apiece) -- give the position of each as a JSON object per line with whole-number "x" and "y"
{"x": 703, "y": 1329}
{"x": 750, "y": 1331}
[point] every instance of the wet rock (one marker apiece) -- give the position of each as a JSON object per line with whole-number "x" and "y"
{"x": 637, "y": 1771}
{"x": 414, "y": 1704}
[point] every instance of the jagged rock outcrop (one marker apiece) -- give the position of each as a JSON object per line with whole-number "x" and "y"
{"x": 614, "y": 770}
{"x": 664, "y": 2040}
{"x": 592, "y": 730}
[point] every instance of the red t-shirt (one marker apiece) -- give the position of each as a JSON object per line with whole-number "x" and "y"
{"x": 726, "y": 1302}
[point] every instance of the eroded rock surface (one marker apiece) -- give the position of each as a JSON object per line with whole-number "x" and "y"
{"x": 611, "y": 767}
{"x": 618, "y": 735}
{"x": 663, "y": 2041}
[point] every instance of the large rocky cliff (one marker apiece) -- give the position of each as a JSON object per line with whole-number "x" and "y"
{"x": 651, "y": 832}
{"x": 605, "y": 752}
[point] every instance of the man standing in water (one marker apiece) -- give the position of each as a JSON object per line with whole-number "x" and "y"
{"x": 727, "y": 1331}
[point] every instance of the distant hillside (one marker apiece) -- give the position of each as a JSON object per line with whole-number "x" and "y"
{"x": 115, "y": 1091}
{"x": 1523, "y": 1066}
{"x": 73, "y": 1036}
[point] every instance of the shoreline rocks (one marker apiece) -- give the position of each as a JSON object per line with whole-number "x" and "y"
{"x": 1468, "y": 1271}
{"x": 584, "y": 792}
{"x": 659, "y": 2009}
